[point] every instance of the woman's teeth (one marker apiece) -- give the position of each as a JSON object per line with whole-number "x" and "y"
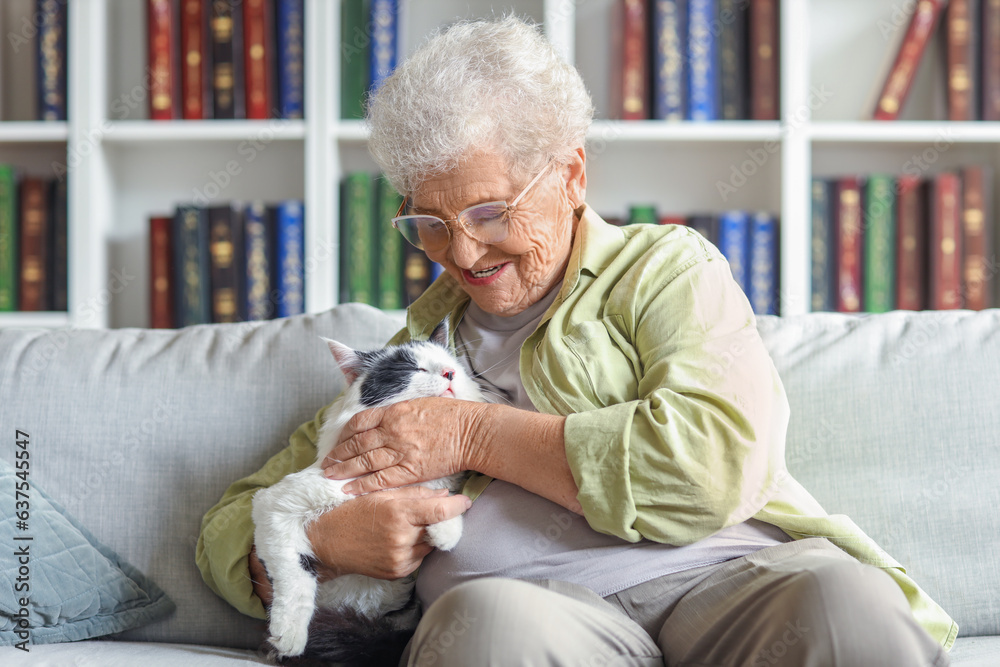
{"x": 486, "y": 272}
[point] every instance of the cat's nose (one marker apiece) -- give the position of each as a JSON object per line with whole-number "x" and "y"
{"x": 448, "y": 374}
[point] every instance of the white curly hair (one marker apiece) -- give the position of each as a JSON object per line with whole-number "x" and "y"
{"x": 482, "y": 85}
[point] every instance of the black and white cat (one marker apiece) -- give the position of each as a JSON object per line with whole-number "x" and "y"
{"x": 351, "y": 612}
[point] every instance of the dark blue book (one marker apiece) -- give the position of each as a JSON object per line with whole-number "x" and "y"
{"x": 291, "y": 58}
{"x": 669, "y": 68}
{"x": 764, "y": 264}
{"x": 51, "y": 59}
{"x": 734, "y": 242}
{"x": 258, "y": 249}
{"x": 734, "y": 69}
{"x": 384, "y": 27}
{"x": 226, "y": 265}
{"x": 703, "y": 61}
{"x": 707, "y": 225}
{"x": 823, "y": 293}
{"x": 191, "y": 266}
{"x": 289, "y": 253}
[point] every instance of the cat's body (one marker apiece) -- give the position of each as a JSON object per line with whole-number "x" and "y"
{"x": 351, "y": 610}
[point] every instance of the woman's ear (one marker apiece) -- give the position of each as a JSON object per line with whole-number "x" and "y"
{"x": 575, "y": 173}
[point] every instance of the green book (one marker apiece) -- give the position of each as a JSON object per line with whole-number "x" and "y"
{"x": 390, "y": 247}
{"x": 8, "y": 239}
{"x": 357, "y": 245}
{"x": 355, "y": 44}
{"x": 879, "y": 244}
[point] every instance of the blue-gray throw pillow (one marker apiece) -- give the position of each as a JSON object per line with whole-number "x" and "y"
{"x": 57, "y": 582}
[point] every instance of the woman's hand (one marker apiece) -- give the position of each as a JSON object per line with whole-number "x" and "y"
{"x": 406, "y": 443}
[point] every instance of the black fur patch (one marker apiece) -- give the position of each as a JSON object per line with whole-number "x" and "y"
{"x": 387, "y": 375}
{"x": 308, "y": 564}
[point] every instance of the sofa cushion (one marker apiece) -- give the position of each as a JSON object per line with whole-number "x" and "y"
{"x": 61, "y": 584}
{"x": 129, "y": 654}
{"x": 895, "y": 422}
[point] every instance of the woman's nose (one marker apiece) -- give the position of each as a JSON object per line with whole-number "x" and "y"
{"x": 465, "y": 250}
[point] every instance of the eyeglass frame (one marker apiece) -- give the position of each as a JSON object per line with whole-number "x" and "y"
{"x": 510, "y": 208}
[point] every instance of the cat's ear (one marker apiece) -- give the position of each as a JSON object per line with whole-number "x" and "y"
{"x": 440, "y": 334}
{"x": 349, "y": 361}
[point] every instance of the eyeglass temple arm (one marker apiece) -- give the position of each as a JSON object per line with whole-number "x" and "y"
{"x": 530, "y": 185}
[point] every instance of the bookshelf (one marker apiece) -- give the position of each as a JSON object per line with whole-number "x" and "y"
{"x": 124, "y": 168}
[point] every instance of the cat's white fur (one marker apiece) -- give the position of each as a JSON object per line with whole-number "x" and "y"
{"x": 282, "y": 512}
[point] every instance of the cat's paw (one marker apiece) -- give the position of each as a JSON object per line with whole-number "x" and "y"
{"x": 287, "y": 640}
{"x": 445, "y": 535}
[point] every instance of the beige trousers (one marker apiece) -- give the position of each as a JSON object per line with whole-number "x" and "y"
{"x": 799, "y": 604}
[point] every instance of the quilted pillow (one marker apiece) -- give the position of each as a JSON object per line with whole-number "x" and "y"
{"x": 62, "y": 585}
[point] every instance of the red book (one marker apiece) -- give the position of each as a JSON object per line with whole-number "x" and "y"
{"x": 977, "y": 239}
{"x": 194, "y": 60}
{"x": 961, "y": 60}
{"x": 849, "y": 243}
{"x": 258, "y": 59}
{"x": 34, "y": 234}
{"x": 635, "y": 61}
{"x": 163, "y": 49}
{"x": 911, "y": 234}
{"x": 764, "y": 59}
{"x": 161, "y": 312}
{"x": 990, "y": 63}
{"x": 945, "y": 250}
{"x": 673, "y": 220}
{"x": 904, "y": 68}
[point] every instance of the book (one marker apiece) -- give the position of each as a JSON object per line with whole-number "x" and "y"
{"x": 703, "y": 61}
{"x": 258, "y": 57}
{"x": 384, "y": 41}
{"x": 196, "y": 101}
{"x": 763, "y": 280}
{"x": 635, "y": 58}
{"x": 977, "y": 237}
{"x": 764, "y": 59}
{"x": 911, "y": 243}
{"x": 849, "y": 244}
{"x": 258, "y": 225}
{"x": 823, "y": 247}
{"x": 672, "y": 219}
{"x": 897, "y": 85}
{"x": 161, "y": 296}
{"x": 357, "y": 243}
{"x": 734, "y": 242}
{"x": 390, "y": 247}
{"x": 289, "y": 258}
{"x": 162, "y": 33}
{"x": 734, "y": 73}
{"x": 961, "y": 60}
{"x": 291, "y": 58}
{"x": 189, "y": 243}
{"x": 354, "y": 46}
{"x": 33, "y": 235}
{"x": 58, "y": 256}
{"x": 226, "y": 36}
{"x": 51, "y": 18}
{"x": 416, "y": 272}
{"x": 644, "y": 214}
{"x": 705, "y": 224}
{"x": 226, "y": 270}
{"x": 9, "y": 249}
{"x": 990, "y": 60}
{"x": 879, "y": 238}
{"x": 670, "y": 45}
{"x": 945, "y": 248}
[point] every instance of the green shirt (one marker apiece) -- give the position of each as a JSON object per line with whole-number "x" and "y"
{"x": 675, "y": 414}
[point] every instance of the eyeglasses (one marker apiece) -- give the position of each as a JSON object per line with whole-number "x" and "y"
{"x": 486, "y": 223}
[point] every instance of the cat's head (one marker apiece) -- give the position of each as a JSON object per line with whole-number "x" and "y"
{"x": 412, "y": 370}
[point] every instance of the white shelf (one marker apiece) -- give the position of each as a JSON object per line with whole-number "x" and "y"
{"x": 905, "y": 132}
{"x": 40, "y": 320}
{"x": 33, "y": 131}
{"x": 145, "y": 131}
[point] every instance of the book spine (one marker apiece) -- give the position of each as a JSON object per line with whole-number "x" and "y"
{"x": 194, "y": 61}
{"x": 224, "y": 237}
{"x": 51, "y": 54}
{"x": 416, "y": 273}
{"x": 354, "y": 46}
{"x": 291, "y": 58}
{"x": 763, "y": 291}
{"x": 879, "y": 244}
{"x": 734, "y": 242}
{"x": 258, "y": 57}
{"x": 290, "y": 258}
{"x": 849, "y": 245}
{"x": 357, "y": 242}
{"x": 190, "y": 247}
{"x": 904, "y": 68}
{"x": 823, "y": 247}
{"x": 160, "y": 283}
{"x": 911, "y": 234}
{"x": 8, "y": 239}
{"x": 390, "y": 248}
{"x": 58, "y": 297}
{"x": 635, "y": 61}
{"x": 384, "y": 22}
{"x": 990, "y": 59}
{"x": 163, "y": 44}
{"x": 945, "y": 247}
{"x": 256, "y": 235}
{"x": 227, "y": 56}
{"x": 733, "y": 71}
{"x": 706, "y": 225}
{"x": 960, "y": 60}
{"x": 763, "y": 59}
{"x": 642, "y": 214}
{"x": 670, "y": 39}
{"x": 977, "y": 238}
{"x": 33, "y": 276}
{"x": 703, "y": 61}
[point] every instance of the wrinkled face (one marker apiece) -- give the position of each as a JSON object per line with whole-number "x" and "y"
{"x": 506, "y": 278}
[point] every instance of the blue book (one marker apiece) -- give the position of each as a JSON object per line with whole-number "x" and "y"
{"x": 734, "y": 242}
{"x": 51, "y": 55}
{"x": 384, "y": 25}
{"x": 258, "y": 249}
{"x": 764, "y": 264}
{"x": 289, "y": 253}
{"x": 436, "y": 270}
{"x": 669, "y": 46}
{"x": 291, "y": 54}
{"x": 191, "y": 266}
{"x": 703, "y": 61}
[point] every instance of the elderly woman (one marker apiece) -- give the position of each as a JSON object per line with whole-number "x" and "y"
{"x": 633, "y": 505}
